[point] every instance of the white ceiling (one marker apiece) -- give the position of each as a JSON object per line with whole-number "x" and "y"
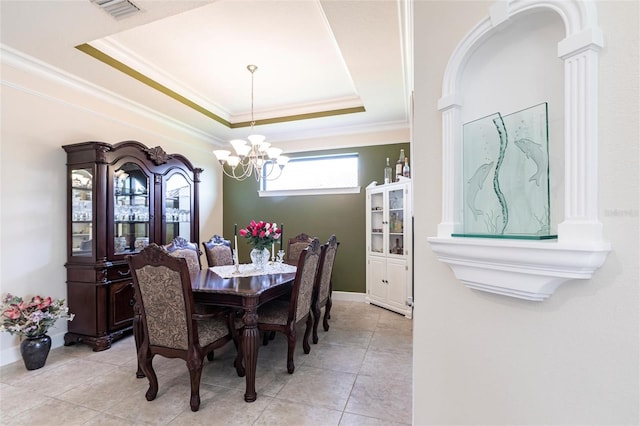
{"x": 313, "y": 57}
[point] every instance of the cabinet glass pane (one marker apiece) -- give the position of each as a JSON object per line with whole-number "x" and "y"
{"x": 396, "y": 222}
{"x": 81, "y": 212}
{"x": 131, "y": 209}
{"x": 377, "y": 223}
{"x": 177, "y": 208}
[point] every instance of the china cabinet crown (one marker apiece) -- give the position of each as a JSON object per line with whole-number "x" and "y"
{"x": 121, "y": 197}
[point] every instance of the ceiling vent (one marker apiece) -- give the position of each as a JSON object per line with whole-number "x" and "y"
{"x": 117, "y": 8}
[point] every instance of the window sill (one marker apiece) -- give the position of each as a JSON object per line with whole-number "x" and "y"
{"x": 298, "y": 192}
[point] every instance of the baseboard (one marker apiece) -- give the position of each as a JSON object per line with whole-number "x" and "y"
{"x": 12, "y": 354}
{"x": 347, "y": 296}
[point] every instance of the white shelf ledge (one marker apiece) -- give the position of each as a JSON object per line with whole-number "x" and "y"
{"x": 530, "y": 270}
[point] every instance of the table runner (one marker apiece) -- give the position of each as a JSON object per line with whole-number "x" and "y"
{"x": 248, "y": 270}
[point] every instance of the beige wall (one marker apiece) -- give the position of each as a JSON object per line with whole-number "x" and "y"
{"x": 41, "y": 110}
{"x": 479, "y": 358}
{"x": 39, "y": 115}
{"x": 572, "y": 359}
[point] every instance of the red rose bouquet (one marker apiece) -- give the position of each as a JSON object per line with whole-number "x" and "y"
{"x": 261, "y": 234}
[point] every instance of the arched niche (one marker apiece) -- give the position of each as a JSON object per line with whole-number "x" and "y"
{"x": 529, "y": 269}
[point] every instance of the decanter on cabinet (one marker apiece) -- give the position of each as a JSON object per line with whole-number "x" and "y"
{"x": 121, "y": 197}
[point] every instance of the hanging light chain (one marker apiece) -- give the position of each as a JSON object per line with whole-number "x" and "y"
{"x": 252, "y": 69}
{"x": 249, "y": 160}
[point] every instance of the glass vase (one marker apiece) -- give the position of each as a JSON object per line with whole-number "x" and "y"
{"x": 259, "y": 258}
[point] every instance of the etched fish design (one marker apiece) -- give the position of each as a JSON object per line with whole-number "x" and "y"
{"x": 475, "y": 185}
{"x": 534, "y": 152}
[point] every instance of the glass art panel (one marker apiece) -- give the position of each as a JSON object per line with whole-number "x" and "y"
{"x": 506, "y": 176}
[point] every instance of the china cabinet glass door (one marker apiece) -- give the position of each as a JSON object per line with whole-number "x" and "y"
{"x": 82, "y": 212}
{"x": 377, "y": 222}
{"x": 396, "y": 222}
{"x": 177, "y": 208}
{"x": 131, "y": 209}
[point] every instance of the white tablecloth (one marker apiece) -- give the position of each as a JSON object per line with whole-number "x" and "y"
{"x": 228, "y": 271}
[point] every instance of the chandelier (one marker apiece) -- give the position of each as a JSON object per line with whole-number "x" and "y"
{"x": 256, "y": 157}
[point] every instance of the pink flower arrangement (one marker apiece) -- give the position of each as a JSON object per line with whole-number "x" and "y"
{"x": 261, "y": 234}
{"x": 31, "y": 318}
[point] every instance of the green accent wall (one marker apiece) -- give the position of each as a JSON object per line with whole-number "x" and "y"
{"x": 317, "y": 215}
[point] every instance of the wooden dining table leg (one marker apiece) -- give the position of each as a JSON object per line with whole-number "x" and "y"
{"x": 250, "y": 345}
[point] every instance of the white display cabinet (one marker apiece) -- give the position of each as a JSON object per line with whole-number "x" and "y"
{"x": 390, "y": 247}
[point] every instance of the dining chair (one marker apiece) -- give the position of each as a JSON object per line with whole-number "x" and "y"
{"x": 169, "y": 324}
{"x": 180, "y": 247}
{"x": 295, "y": 246}
{"x": 324, "y": 286}
{"x": 283, "y": 315}
{"x": 218, "y": 251}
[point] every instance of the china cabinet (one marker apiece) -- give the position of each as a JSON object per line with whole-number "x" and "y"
{"x": 389, "y": 247}
{"x": 121, "y": 197}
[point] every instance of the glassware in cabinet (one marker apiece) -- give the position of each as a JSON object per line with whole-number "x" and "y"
{"x": 131, "y": 212}
{"x": 177, "y": 207}
{"x": 82, "y": 212}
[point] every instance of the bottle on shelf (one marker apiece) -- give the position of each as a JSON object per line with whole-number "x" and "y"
{"x": 399, "y": 165}
{"x": 387, "y": 173}
{"x": 406, "y": 170}
{"x": 397, "y": 249}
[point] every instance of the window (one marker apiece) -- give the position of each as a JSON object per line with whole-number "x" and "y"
{"x": 327, "y": 174}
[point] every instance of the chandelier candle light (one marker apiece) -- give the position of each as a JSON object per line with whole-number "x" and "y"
{"x": 250, "y": 158}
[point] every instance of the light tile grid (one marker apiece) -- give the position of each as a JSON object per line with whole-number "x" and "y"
{"x": 359, "y": 373}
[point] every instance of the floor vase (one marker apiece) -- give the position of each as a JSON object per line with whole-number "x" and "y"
{"x": 35, "y": 350}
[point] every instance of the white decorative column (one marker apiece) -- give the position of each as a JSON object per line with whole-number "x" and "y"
{"x": 451, "y": 176}
{"x": 580, "y": 55}
{"x": 531, "y": 270}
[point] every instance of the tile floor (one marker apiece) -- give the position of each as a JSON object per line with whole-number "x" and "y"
{"x": 359, "y": 373}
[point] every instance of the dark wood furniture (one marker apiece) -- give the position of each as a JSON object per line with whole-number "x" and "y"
{"x": 168, "y": 320}
{"x": 295, "y": 246}
{"x": 283, "y": 315}
{"x": 180, "y": 247}
{"x": 218, "y": 251}
{"x": 121, "y": 197}
{"x": 323, "y": 286}
{"x": 246, "y": 293}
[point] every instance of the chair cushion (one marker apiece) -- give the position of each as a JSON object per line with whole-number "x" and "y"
{"x": 275, "y": 312}
{"x": 212, "y": 329}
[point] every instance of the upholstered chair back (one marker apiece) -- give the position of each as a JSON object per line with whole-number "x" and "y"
{"x": 326, "y": 269}
{"x": 160, "y": 293}
{"x": 295, "y": 247}
{"x": 218, "y": 251}
{"x": 180, "y": 247}
{"x": 303, "y": 287}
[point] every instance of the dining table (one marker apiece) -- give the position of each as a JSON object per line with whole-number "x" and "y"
{"x": 242, "y": 287}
